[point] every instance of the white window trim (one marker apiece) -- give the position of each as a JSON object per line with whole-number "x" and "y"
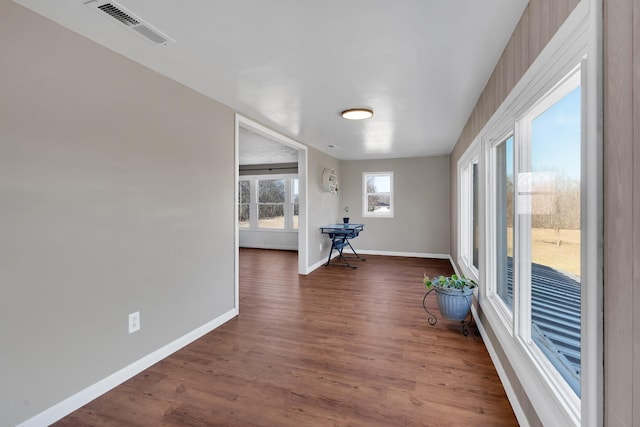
{"x": 251, "y": 201}
{"x": 522, "y": 252}
{"x": 578, "y": 36}
{"x": 291, "y": 202}
{"x": 288, "y": 203}
{"x": 365, "y": 202}
{"x": 491, "y": 288}
{"x": 465, "y": 211}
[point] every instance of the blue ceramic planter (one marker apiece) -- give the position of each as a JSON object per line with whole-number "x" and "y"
{"x": 454, "y": 304}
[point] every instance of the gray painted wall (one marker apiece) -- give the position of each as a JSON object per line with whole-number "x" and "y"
{"x": 116, "y": 195}
{"x": 421, "y": 196}
{"x": 322, "y": 205}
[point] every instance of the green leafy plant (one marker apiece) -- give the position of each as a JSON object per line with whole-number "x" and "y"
{"x": 449, "y": 282}
{"x": 346, "y": 209}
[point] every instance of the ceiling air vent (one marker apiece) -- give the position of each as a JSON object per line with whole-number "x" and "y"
{"x": 115, "y": 11}
{"x": 119, "y": 14}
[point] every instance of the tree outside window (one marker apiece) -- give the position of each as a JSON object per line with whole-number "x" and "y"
{"x": 244, "y": 204}
{"x": 378, "y": 194}
{"x": 271, "y": 196}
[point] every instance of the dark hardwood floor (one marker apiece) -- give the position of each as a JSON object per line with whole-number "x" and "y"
{"x": 339, "y": 347}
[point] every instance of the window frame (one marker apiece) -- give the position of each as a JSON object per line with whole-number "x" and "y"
{"x": 576, "y": 42}
{"x": 254, "y": 204}
{"x": 365, "y": 195}
{"x": 533, "y": 368}
{"x": 258, "y": 203}
{"x": 465, "y": 211}
{"x": 523, "y": 237}
{"x": 491, "y": 289}
{"x": 292, "y": 202}
{"x": 240, "y": 202}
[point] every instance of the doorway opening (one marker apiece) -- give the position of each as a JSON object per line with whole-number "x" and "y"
{"x": 270, "y": 193}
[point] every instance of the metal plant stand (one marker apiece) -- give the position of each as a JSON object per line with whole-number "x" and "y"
{"x": 432, "y": 319}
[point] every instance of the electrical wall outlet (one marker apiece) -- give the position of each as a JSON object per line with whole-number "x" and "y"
{"x": 134, "y": 322}
{"x": 320, "y": 247}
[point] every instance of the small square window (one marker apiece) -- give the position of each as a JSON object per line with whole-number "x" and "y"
{"x": 377, "y": 194}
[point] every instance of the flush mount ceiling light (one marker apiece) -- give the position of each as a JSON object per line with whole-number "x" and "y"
{"x": 357, "y": 113}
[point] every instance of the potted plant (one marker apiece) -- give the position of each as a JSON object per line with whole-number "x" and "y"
{"x": 346, "y": 217}
{"x": 454, "y": 295}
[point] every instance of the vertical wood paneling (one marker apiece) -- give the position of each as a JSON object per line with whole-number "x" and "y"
{"x": 535, "y": 36}
{"x": 521, "y": 38}
{"x": 501, "y": 80}
{"x": 554, "y": 13}
{"x": 561, "y": 11}
{"x": 618, "y": 213}
{"x": 636, "y": 210}
{"x": 471, "y": 122}
{"x": 486, "y": 105}
{"x": 493, "y": 104}
{"x": 509, "y": 66}
{"x": 545, "y": 30}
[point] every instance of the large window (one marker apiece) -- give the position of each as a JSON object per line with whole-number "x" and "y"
{"x": 475, "y": 226}
{"x": 534, "y": 262}
{"x": 244, "y": 203}
{"x": 377, "y": 194}
{"x": 540, "y": 247}
{"x": 469, "y": 237}
{"x": 548, "y": 211}
{"x": 549, "y": 219}
{"x": 271, "y": 194}
{"x": 503, "y": 166}
{"x": 268, "y": 203}
{"x": 295, "y": 203}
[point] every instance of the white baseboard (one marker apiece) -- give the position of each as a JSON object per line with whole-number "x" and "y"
{"x": 504, "y": 379}
{"x": 402, "y": 254}
{"x": 385, "y": 253}
{"x": 269, "y": 246}
{"x": 316, "y": 266}
{"x": 64, "y": 408}
{"x": 455, "y": 267}
{"x": 320, "y": 263}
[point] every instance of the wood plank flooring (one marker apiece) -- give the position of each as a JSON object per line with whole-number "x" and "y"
{"x": 339, "y": 347}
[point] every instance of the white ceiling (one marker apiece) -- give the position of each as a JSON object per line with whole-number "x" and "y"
{"x": 293, "y": 65}
{"x": 256, "y": 149}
